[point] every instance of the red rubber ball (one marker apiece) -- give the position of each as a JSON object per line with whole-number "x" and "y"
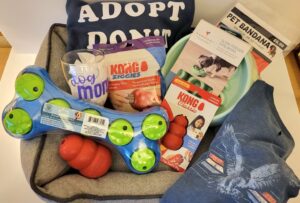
{"x": 172, "y": 141}
{"x": 100, "y": 165}
{"x": 70, "y": 146}
{"x": 91, "y": 159}
{"x": 177, "y": 129}
{"x": 181, "y": 120}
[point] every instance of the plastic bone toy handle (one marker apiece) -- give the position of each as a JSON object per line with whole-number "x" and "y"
{"x": 134, "y": 135}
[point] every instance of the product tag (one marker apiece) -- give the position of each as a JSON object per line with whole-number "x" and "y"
{"x": 266, "y": 41}
{"x": 75, "y": 121}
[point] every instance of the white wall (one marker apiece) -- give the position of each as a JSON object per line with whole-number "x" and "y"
{"x": 26, "y": 22}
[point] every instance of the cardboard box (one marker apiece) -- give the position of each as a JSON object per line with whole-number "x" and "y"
{"x": 294, "y": 75}
{"x": 4, "y": 53}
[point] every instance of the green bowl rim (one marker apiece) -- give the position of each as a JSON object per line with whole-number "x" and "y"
{"x": 251, "y": 71}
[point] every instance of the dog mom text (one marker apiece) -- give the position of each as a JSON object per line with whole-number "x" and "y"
{"x": 88, "y": 87}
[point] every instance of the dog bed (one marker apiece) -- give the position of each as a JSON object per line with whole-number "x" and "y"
{"x": 52, "y": 179}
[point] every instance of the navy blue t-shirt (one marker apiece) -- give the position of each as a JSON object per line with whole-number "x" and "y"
{"x": 108, "y": 22}
{"x": 246, "y": 160}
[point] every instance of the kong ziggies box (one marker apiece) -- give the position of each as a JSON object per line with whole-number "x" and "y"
{"x": 199, "y": 107}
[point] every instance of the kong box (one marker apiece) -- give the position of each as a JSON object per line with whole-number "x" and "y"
{"x": 199, "y": 107}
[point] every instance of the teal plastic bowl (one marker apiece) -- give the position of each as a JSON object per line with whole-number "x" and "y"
{"x": 236, "y": 88}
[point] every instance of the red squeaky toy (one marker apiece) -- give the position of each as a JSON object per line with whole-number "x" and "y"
{"x": 174, "y": 138}
{"x": 91, "y": 159}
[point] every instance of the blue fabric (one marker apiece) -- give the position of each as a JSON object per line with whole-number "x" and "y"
{"x": 246, "y": 160}
{"x": 109, "y": 22}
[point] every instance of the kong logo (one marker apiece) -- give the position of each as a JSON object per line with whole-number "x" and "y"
{"x": 189, "y": 102}
{"x": 128, "y": 70}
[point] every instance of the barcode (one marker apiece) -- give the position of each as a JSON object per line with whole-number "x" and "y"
{"x": 96, "y": 120}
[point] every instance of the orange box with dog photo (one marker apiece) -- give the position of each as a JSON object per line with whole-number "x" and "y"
{"x": 191, "y": 110}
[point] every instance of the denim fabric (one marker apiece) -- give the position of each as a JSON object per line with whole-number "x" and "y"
{"x": 246, "y": 160}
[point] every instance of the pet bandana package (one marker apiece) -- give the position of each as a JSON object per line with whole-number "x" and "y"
{"x": 135, "y": 81}
{"x": 266, "y": 41}
{"x": 198, "y": 106}
{"x": 211, "y": 56}
{"x": 109, "y": 22}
